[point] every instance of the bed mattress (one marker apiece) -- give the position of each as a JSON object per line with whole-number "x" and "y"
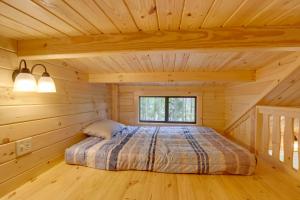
{"x": 176, "y": 149}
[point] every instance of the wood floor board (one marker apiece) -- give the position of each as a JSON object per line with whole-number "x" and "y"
{"x": 74, "y": 182}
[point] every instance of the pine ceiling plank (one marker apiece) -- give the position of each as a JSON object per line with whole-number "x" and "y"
{"x": 91, "y": 12}
{"x": 26, "y": 20}
{"x": 275, "y": 9}
{"x": 216, "y": 63}
{"x": 194, "y": 13}
{"x": 169, "y": 14}
{"x": 144, "y": 14}
{"x": 219, "y": 12}
{"x": 248, "y": 10}
{"x": 13, "y": 34}
{"x": 116, "y": 65}
{"x": 222, "y": 63}
{"x": 97, "y": 63}
{"x": 106, "y": 61}
{"x": 120, "y": 59}
{"x": 289, "y": 18}
{"x": 168, "y": 61}
{"x": 206, "y": 63}
{"x": 265, "y": 58}
{"x": 133, "y": 62}
{"x": 157, "y": 61}
{"x": 65, "y": 12}
{"x": 196, "y": 61}
{"x": 117, "y": 11}
{"x": 242, "y": 61}
{"x": 34, "y": 10}
{"x": 226, "y": 64}
{"x": 181, "y": 61}
{"x": 20, "y": 27}
{"x": 145, "y": 61}
{"x": 86, "y": 65}
{"x": 252, "y": 60}
{"x": 235, "y": 76}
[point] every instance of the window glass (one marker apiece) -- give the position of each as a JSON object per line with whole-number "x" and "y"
{"x": 152, "y": 109}
{"x": 167, "y": 109}
{"x": 182, "y": 109}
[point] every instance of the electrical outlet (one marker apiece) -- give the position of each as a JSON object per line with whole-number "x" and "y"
{"x": 23, "y": 146}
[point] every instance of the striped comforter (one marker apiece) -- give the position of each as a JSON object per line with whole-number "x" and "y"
{"x": 176, "y": 149}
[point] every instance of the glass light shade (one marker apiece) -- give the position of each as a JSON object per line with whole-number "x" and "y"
{"x": 25, "y": 82}
{"x": 46, "y": 84}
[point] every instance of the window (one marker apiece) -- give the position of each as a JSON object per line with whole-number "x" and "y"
{"x": 167, "y": 109}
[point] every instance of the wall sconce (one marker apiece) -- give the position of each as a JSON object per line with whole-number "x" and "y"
{"x": 24, "y": 81}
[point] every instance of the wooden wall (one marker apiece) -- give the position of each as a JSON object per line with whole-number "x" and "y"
{"x": 210, "y": 102}
{"x": 243, "y": 132}
{"x": 241, "y": 99}
{"x": 53, "y": 121}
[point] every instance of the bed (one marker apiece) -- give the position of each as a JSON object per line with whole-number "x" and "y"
{"x": 168, "y": 149}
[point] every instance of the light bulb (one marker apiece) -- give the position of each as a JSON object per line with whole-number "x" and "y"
{"x": 46, "y": 84}
{"x": 25, "y": 82}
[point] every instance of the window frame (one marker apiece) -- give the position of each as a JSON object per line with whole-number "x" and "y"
{"x": 166, "y": 121}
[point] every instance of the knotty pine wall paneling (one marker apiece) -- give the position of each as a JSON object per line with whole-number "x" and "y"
{"x": 210, "y": 108}
{"x": 53, "y": 121}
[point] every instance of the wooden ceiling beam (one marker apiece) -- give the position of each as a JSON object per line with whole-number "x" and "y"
{"x": 216, "y": 40}
{"x": 8, "y": 44}
{"x": 236, "y": 76}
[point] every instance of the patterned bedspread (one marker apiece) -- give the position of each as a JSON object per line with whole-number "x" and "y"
{"x": 175, "y": 149}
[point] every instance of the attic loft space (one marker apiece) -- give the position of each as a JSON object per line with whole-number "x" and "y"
{"x": 142, "y": 99}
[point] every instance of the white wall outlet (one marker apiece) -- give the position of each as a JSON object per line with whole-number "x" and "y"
{"x": 23, "y": 146}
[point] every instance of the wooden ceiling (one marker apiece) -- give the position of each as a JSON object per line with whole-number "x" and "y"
{"x": 172, "y": 62}
{"x": 27, "y": 19}
{"x": 47, "y": 19}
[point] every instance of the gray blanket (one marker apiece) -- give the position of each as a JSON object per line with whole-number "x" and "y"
{"x": 169, "y": 149}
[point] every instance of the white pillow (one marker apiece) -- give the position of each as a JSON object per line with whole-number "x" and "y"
{"x": 104, "y": 128}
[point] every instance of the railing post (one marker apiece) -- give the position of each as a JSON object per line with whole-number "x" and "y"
{"x": 288, "y": 141}
{"x": 258, "y": 131}
{"x": 265, "y": 133}
{"x": 276, "y": 137}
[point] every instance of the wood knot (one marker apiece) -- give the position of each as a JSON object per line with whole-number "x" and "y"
{"x": 5, "y": 140}
{"x": 133, "y": 182}
{"x": 189, "y": 14}
{"x": 152, "y": 10}
{"x": 169, "y": 13}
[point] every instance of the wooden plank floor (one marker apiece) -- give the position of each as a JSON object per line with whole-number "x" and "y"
{"x": 73, "y": 182}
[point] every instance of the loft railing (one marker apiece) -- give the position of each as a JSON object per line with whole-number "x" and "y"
{"x": 277, "y": 135}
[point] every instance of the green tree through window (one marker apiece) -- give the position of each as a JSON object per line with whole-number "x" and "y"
{"x": 168, "y": 109}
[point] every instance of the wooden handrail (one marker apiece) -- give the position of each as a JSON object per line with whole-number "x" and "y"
{"x": 275, "y": 143}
